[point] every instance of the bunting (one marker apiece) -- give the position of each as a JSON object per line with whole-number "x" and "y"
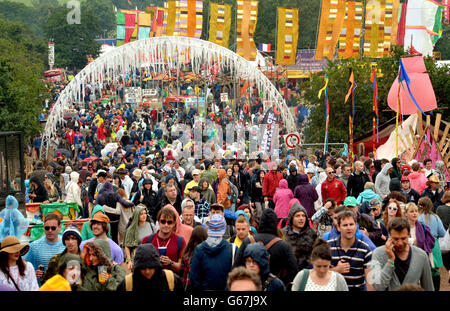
{"x": 351, "y": 115}
{"x": 380, "y": 27}
{"x": 247, "y": 15}
{"x": 220, "y": 24}
{"x": 331, "y": 20}
{"x": 287, "y": 38}
{"x": 191, "y": 18}
{"x": 350, "y": 36}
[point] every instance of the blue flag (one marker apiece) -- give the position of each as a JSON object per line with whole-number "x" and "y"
{"x": 404, "y": 77}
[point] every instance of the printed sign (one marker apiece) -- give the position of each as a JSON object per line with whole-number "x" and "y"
{"x": 292, "y": 140}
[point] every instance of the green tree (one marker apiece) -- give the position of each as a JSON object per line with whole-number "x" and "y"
{"x": 73, "y": 42}
{"x": 21, "y": 89}
{"x": 104, "y": 10}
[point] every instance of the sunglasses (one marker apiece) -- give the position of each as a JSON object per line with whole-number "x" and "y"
{"x": 393, "y": 208}
{"x": 374, "y": 203}
{"x": 331, "y": 172}
{"x": 163, "y": 222}
{"x": 48, "y": 228}
{"x": 373, "y": 209}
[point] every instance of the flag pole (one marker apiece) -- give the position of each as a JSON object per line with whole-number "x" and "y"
{"x": 397, "y": 117}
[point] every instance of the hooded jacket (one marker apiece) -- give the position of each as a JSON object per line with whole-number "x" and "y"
{"x": 293, "y": 180}
{"x": 282, "y": 259}
{"x": 367, "y": 196}
{"x": 282, "y": 198}
{"x": 40, "y": 191}
{"x": 147, "y": 257}
{"x": 356, "y": 182}
{"x": 181, "y": 229}
{"x": 270, "y": 183}
{"x": 259, "y": 254}
{"x": 306, "y": 194}
{"x": 210, "y": 266}
{"x": 73, "y": 191}
{"x": 418, "y": 181}
{"x": 91, "y": 282}
{"x": 395, "y": 172}
{"x": 382, "y": 181}
{"x": 110, "y": 198}
{"x": 301, "y": 242}
{"x": 223, "y": 189}
{"x": 207, "y": 194}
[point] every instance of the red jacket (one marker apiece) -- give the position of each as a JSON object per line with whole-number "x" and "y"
{"x": 70, "y": 137}
{"x": 334, "y": 189}
{"x": 101, "y": 132}
{"x": 270, "y": 183}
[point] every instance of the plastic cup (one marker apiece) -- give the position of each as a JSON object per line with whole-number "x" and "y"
{"x": 100, "y": 276}
{"x": 162, "y": 251}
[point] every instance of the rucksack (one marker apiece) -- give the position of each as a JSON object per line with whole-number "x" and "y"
{"x": 234, "y": 192}
{"x": 268, "y": 246}
{"x": 169, "y": 276}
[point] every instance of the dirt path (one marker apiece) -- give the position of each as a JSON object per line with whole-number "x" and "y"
{"x": 445, "y": 285}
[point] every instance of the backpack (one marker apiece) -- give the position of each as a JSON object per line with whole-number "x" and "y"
{"x": 304, "y": 280}
{"x": 268, "y": 246}
{"x": 234, "y": 192}
{"x": 169, "y": 276}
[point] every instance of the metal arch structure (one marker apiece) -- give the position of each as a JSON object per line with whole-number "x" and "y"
{"x": 164, "y": 54}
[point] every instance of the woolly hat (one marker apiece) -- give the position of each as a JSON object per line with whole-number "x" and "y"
{"x": 72, "y": 230}
{"x": 216, "y": 226}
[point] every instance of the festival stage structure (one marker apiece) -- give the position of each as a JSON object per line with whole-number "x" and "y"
{"x": 164, "y": 54}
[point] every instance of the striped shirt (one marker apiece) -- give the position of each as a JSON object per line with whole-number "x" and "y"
{"x": 358, "y": 255}
{"x": 42, "y": 251}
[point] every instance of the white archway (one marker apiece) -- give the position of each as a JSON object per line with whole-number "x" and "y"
{"x": 128, "y": 56}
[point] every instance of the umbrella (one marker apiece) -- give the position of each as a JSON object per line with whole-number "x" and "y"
{"x": 91, "y": 158}
{"x": 65, "y": 151}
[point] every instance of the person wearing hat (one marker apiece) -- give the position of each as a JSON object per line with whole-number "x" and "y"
{"x": 99, "y": 226}
{"x": 69, "y": 275}
{"x": 410, "y": 194}
{"x": 148, "y": 274}
{"x": 433, "y": 191}
{"x": 71, "y": 239}
{"x": 212, "y": 259}
{"x": 201, "y": 205}
{"x": 136, "y": 178}
{"x": 365, "y": 223}
{"x": 15, "y": 272}
{"x": 210, "y": 172}
{"x": 196, "y": 174}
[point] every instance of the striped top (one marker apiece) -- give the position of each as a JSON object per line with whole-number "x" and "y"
{"x": 358, "y": 255}
{"x": 42, "y": 251}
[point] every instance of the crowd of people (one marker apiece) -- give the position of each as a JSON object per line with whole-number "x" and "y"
{"x": 155, "y": 221}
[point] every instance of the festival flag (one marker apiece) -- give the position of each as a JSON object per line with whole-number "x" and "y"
{"x": 351, "y": 115}
{"x": 120, "y": 28}
{"x": 171, "y": 18}
{"x": 350, "y": 36}
{"x": 287, "y": 37}
{"x": 327, "y": 111}
{"x": 130, "y": 26}
{"x": 247, "y": 15}
{"x": 402, "y": 25}
{"x": 373, "y": 79}
{"x": 264, "y": 47}
{"x": 403, "y": 76}
{"x": 331, "y": 20}
{"x": 191, "y": 18}
{"x": 144, "y": 21}
{"x": 380, "y": 27}
{"x": 158, "y": 23}
{"x": 446, "y": 12}
{"x": 220, "y": 24}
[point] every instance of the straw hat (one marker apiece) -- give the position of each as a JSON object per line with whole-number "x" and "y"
{"x": 433, "y": 178}
{"x": 12, "y": 245}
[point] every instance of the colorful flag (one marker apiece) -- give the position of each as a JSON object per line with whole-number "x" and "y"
{"x": 331, "y": 20}
{"x": 327, "y": 111}
{"x": 403, "y": 76}
{"x": 350, "y": 36}
{"x": 171, "y": 18}
{"x": 220, "y": 24}
{"x": 351, "y": 115}
{"x": 287, "y": 37}
{"x": 373, "y": 79}
{"x": 191, "y": 18}
{"x": 247, "y": 15}
{"x": 144, "y": 21}
{"x": 380, "y": 27}
{"x": 130, "y": 26}
{"x": 120, "y": 28}
{"x": 264, "y": 47}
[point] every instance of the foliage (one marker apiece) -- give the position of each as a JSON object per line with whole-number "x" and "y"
{"x": 21, "y": 90}
{"x": 73, "y": 42}
{"x": 338, "y": 74}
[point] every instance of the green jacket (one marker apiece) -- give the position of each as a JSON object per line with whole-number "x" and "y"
{"x": 86, "y": 232}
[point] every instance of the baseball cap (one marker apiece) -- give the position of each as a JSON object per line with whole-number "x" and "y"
{"x": 350, "y": 201}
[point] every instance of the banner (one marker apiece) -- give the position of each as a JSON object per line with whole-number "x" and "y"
{"x": 350, "y": 36}
{"x": 331, "y": 20}
{"x": 144, "y": 22}
{"x": 220, "y": 24}
{"x": 120, "y": 28}
{"x": 157, "y": 24}
{"x": 271, "y": 118}
{"x": 247, "y": 15}
{"x": 287, "y": 37}
{"x": 191, "y": 18}
{"x": 130, "y": 26}
{"x": 171, "y": 18}
{"x": 380, "y": 27}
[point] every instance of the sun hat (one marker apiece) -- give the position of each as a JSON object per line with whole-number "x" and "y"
{"x": 12, "y": 245}
{"x": 100, "y": 217}
{"x": 433, "y": 178}
{"x": 216, "y": 226}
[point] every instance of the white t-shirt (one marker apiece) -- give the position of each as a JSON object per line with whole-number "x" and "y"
{"x": 28, "y": 282}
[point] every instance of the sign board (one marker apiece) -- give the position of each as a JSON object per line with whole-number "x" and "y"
{"x": 133, "y": 95}
{"x": 51, "y": 54}
{"x": 223, "y": 97}
{"x": 192, "y": 102}
{"x": 292, "y": 140}
{"x": 149, "y": 92}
